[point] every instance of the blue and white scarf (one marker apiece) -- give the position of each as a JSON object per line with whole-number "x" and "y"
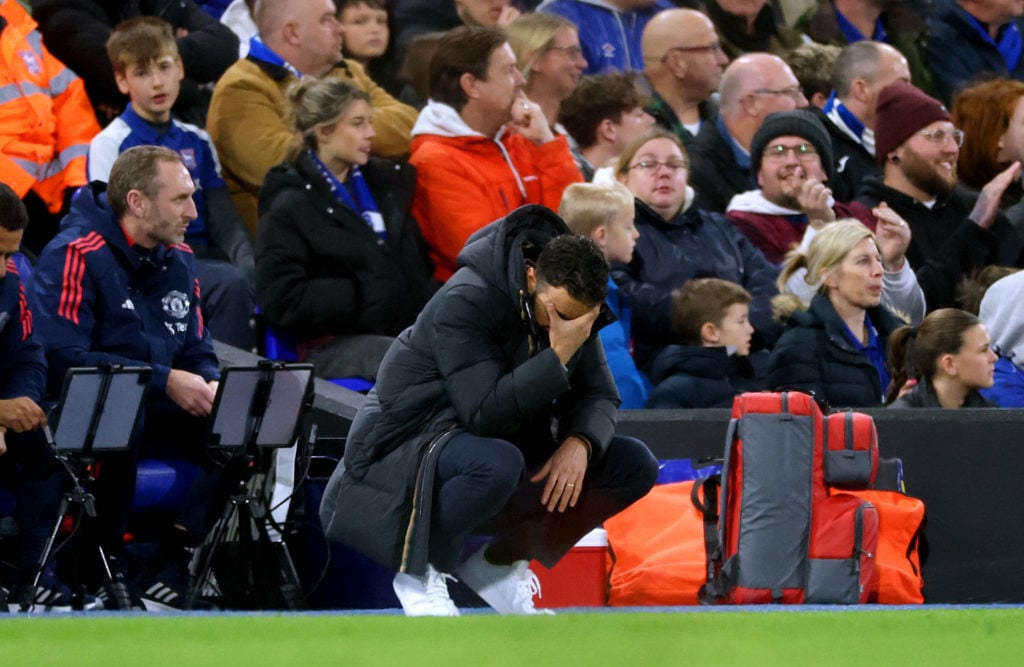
{"x": 362, "y": 202}
{"x": 260, "y": 51}
{"x": 844, "y": 119}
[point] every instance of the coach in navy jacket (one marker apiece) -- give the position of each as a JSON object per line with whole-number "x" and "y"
{"x": 118, "y": 286}
{"x": 101, "y": 297}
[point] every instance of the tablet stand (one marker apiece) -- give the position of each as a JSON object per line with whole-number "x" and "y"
{"x": 257, "y": 408}
{"x": 98, "y": 410}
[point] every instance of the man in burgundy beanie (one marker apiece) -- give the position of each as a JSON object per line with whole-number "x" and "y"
{"x": 954, "y": 232}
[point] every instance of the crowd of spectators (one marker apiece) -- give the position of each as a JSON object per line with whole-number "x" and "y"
{"x": 804, "y": 182}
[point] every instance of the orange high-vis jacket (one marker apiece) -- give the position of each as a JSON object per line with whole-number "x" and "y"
{"x": 46, "y": 119}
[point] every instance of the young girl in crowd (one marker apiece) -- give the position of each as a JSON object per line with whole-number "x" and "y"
{"x": 949, "y": 357}
{"x": 366, "y": 37}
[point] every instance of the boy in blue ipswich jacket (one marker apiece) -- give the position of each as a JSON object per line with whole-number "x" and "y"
{"x": 147, "y": 68}
{"x": 711, "y": 316}
{"x": 118, "y": 286}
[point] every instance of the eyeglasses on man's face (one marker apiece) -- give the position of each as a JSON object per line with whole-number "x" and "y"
{"x": 777, "y": 152}
{"x": 939, "y": 136}
{"x": 713, "y": 47}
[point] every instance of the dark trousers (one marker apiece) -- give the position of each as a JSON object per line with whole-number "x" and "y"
{"x": 228, "y": 302}
{"x": 31, "y": 470}
{"x": 483, "y": 487}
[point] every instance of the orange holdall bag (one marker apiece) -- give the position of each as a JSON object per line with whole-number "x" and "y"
{"x": 657, "y": 555}
{"x": 897, "y": 577}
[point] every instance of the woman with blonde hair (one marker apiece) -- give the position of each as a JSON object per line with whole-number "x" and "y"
{"x": 340, "y": 262}
{"x": 949, "y": 357}
{"x": 836, "y": 348}
{"x": 548, "y": 54}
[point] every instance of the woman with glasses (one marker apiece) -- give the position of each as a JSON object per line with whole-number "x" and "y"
{"x": 679, "y": 242}
{"x": 836, "y": 348}
{"x": 549, "y": 56}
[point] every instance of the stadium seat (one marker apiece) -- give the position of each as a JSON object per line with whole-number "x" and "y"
{"x": 282, "y": 346}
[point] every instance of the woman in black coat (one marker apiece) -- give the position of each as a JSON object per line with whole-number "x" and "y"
{"x": 340, "y": 263}
{"x": 836, "y": 349}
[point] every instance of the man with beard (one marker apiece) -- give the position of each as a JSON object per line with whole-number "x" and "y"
{"x": 861, "y": 71}
{"x": 917, "y": 147}
{"x": 493, "y": 414}
{"x": 791, "y": 158}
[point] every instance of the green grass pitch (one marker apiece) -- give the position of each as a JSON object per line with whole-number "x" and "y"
{"x": 872, "y": 637}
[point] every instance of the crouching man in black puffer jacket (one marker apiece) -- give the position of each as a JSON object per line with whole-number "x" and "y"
{"x": 495, "y": 412}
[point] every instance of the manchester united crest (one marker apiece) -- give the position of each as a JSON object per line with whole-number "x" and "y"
{"x": 176, "y": 304}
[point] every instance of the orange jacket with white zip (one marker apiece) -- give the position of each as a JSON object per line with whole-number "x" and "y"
{"x": 465, "y": 180}
{"x": 46, "y": 119}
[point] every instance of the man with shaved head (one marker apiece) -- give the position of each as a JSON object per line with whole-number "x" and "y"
{"x": 683, "y": 63}
{"x": 250, "y": 118}
{"x": 753, "y": 86}
{"x": 861, "y": 71}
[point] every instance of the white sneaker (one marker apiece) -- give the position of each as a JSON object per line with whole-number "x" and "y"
{"x": 507, "y": 588}
{"x": 426, "y": 595}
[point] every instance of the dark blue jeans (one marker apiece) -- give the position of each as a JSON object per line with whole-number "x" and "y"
{"x": 483, "y": 487}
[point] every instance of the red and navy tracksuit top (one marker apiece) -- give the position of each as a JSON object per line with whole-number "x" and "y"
{"x": 98, "y": 300}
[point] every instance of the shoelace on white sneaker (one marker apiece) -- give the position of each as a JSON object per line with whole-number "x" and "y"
{"x": 527, "y": 585}
{"x": 436, "y": 590}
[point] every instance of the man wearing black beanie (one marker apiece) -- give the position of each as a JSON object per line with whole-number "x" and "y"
{"x": 791, "y": 158}
{"x": 917, "y": 147}
{"x": 793, "y": 179}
